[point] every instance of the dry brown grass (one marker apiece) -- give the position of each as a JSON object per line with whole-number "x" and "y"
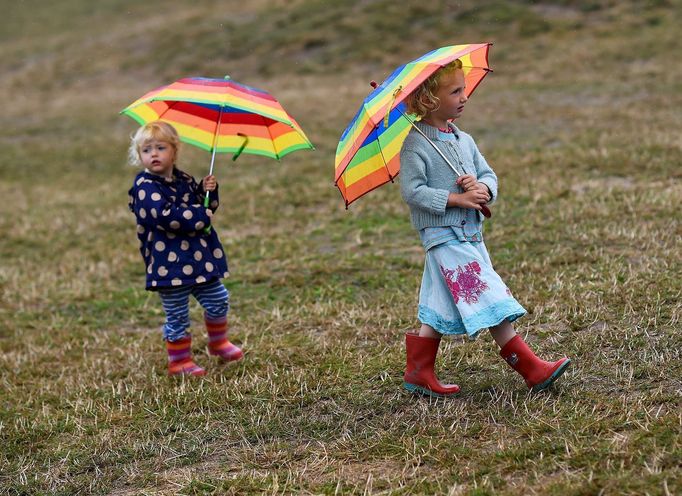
{"x": 581, "y": 122}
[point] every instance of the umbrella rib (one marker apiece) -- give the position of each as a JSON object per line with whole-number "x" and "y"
{"x": 170, "y": 107}
{"x": 383, "y": 158}
{"x": 265, "y": 124}
{"x": 356, "y": 144}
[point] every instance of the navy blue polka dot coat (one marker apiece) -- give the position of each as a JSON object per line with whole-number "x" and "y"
{"x": 170, "y": 226}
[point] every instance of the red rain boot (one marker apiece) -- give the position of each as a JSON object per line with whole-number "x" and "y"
{"x": 538, "y": 374}
{"x": 419, "y": 375}
{"x": 218, "y": 344}
{"x": 180, "y": 358}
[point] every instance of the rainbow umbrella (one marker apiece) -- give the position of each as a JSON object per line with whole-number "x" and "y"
{"x": 368, "y": 154}
{"x": 221, "y": 115}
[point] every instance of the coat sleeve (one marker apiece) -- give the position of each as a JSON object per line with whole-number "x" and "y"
{"x": 155, "y": 211}
{"x": 484, "y": 173}
{"x": 413, "y": 184}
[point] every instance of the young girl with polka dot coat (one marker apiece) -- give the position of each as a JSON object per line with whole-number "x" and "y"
{"x": 181, "y": 250}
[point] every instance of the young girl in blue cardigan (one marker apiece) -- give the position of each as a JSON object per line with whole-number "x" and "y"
{"x": 460, "y": 292}
{"x": 181, "y": 255}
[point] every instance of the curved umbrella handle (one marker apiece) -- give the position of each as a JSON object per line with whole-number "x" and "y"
{"x": 241, "y": 148}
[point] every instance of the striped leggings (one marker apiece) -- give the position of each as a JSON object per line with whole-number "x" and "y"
{"x": 212, "y": 296}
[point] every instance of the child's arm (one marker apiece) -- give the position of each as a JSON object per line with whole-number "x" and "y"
{"x": 485, "y": 173}
{"x": 414, "y": 188}
{"x": 155, "y": 211}
{"x": 416, "y": 192}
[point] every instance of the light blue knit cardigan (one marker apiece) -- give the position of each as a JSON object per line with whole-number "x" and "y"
{"x": 426, "y": 180}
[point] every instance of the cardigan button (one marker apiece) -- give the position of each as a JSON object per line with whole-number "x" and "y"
{"x": 464, "y": 222}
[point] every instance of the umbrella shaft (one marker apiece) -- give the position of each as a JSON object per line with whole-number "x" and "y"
{"x": 454, "y": 169}
{"x": 215, "y": 139}
{"x": 210, "y": 172}
{"x": 215, "y": 144}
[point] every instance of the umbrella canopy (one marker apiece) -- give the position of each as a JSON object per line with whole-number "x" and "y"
{"x": 221, "y": 115}
{"x": 368, "y": 154}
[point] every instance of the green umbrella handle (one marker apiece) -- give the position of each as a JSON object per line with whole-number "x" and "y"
{"x": 241, "y": 148}
{"x": 207, "y": 229}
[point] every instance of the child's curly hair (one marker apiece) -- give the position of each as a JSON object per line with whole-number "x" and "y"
{"x": 423, "y": 100}
{"x": 155, "y": 130}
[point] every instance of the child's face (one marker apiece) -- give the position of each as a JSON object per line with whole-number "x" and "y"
{"x": 158, "y": 157}
{"x": 451, "y": 95}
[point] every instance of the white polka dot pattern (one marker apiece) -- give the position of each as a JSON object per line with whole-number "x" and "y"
{"x": 170, "y": 227}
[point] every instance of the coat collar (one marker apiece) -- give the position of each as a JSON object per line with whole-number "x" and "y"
{"x": 178, "y": 175}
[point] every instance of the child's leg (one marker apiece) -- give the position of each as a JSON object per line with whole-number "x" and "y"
{"x": 215, "y": 299}
{"x": 426, "y": 331}
{"x": 538, "y": 374}
{"x": 502, "y": 333}
{"x": 421, "y": 349}
{"x": 175, "y": 303}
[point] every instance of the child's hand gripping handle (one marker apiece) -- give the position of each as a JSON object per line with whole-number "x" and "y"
{"x": 468, "y": 183}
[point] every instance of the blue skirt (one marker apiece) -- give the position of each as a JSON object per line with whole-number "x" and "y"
{"x": 461, "y": 293}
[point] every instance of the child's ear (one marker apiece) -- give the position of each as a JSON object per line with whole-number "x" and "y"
{"x": 427, "y": 103}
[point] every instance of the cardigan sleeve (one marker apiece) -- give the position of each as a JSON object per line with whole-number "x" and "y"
{"x": 413, "y": 184}
{"x": 484, "y": 173}
{"x": 155, "y": 211}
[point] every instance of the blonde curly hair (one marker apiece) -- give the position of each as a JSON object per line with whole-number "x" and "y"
{"x": 423, "y": 100}
{"x": 155, "y": 130}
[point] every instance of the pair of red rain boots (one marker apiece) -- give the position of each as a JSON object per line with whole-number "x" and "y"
{"x": 421, "y": 356}
{"x": 180, "y": 360}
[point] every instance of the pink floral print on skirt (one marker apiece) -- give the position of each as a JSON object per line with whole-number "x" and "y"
{"x": 461, "y": 293}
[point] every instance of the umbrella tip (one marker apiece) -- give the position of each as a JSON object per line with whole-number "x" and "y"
{"x": 373, "y": 84}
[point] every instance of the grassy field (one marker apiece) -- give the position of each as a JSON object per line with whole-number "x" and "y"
{"x": 581, "y": 121}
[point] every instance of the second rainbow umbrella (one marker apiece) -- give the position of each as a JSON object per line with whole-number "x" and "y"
{"x": 223, "y": 116}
